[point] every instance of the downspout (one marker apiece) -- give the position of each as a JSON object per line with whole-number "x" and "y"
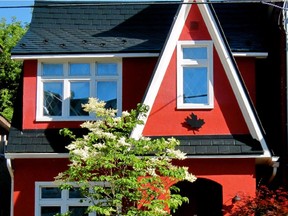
{"x": 275, "y": 165}
{"x": 10, "y": 170}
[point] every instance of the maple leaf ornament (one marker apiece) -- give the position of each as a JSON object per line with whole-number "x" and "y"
{"x": 194, "y": 122}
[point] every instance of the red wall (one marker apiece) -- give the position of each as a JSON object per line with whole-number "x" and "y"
{"x": 235, "y": 175}
{"x": 224, "y": 118}
{"x": 136, "y": 76}
{"x": 248, "y": 71}
{"x": 26, "y": 172}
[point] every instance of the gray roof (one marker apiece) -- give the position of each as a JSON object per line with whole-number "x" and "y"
{"x": 61, "y": 27}
{"x": 96, "y": 28}
{"x": 50, "y": 141}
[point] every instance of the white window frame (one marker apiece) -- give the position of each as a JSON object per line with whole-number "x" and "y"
{"x": 194, "y": 63}
{"x": 64, "y": 202}
{"x": 66, "y": 87}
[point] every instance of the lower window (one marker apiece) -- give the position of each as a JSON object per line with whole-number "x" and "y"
{"x": 51, "y": 200}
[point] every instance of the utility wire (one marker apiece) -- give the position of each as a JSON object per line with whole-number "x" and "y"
{"x": 268, "y": 2}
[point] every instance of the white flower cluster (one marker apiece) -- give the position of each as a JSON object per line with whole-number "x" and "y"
{"x": 83, "y": 152}
{"x": 122, "y": 142}
{"x": 151, "y": 171}
{"x": 125, "y": 114}
{"x": 188, "y": 176}
{"x": 96, "y": 106}
{"x": 177, "y": 154}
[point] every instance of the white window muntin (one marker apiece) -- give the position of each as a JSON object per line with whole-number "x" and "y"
{"x": 196, "y": 63}
{"x": 64, "y": 202}
{"x": 66, "y": 79}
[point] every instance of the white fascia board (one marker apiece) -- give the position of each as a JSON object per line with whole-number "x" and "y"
{"x": 73, "y": 56}
{"x": 233, "y": 77}
{"x": 263, "y": 156}
{"x": 35, "y": 155}
{"x": 251, "y": 54}
{"x": 163, "y": 63}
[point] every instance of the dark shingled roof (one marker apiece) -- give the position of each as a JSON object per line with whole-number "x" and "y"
{"x": 244, "y": 25}
{"x": 97, "y": 28}
{"x": 111, "y": 27}
{"x": 50, "y": 141}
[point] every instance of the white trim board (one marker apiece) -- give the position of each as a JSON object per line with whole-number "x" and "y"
{"x": 75, "y": 56}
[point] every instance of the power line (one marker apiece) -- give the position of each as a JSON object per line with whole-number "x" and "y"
{"x": 268, "y": 2}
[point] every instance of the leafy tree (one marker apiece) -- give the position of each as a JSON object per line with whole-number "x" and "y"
{"x": 10, "y": 69}
{"x": 118, "y": 174}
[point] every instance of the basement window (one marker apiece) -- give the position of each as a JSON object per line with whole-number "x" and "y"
{"x": 195, "y": 75}
{"x": 51, "y": 200}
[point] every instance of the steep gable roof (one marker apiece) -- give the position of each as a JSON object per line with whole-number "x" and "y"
{"x": 227, "y": 61}
{"x": 139, "y": 36}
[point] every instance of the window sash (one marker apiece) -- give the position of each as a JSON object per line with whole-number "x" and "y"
{"x": 77, "y": 72}
{"x": 198, "y": 68}
{"x": 64, "y": 203}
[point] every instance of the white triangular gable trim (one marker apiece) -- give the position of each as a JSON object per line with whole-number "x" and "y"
{"x": 227, "y": 62}
{"x": 163, "y": 64}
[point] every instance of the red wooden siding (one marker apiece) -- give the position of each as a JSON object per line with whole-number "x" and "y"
{"x": 136, "y": 76}
{"x": 224, "y": 118}
{"x": 26, "y": 173}
{"x": 236, "y": 176}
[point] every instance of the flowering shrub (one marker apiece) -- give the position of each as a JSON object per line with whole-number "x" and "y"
{"x": 135, "y": 173}
{"x": 266, "y": 203}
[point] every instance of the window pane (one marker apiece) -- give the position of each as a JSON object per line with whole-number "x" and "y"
{"x": 107, "y": 91}
{"x": 53, "y": 96}
{"x": 195, "y": 53}
{"x": 78, "y": 210}
{"x": 79, "y": 96}
{"x": 75, "y": 193}
{"x": 79, "y": 69}
{"x": 50, "y": 210}
{"x": 107, "y": 69}
{"x": 195, "y": 85}
{"x": 52, "y": 69}
{"x": 50, "y": 192}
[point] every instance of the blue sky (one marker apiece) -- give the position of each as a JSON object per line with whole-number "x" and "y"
{"x": 22, "y": 14}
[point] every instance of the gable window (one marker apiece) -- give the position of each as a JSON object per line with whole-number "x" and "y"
{"x": 63, "y": 87}
{"x": 195, "y": 75}
{"x": 50, "y": 200}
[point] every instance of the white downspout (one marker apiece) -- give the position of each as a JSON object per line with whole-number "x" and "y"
{"x": 275, "y": 165}
{"x": 10, "y": 170}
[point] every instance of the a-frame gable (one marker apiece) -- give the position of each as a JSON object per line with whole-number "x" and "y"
{"x": 226, "y": 59}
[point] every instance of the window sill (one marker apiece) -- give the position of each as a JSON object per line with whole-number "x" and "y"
{"x": 71, "y": 118}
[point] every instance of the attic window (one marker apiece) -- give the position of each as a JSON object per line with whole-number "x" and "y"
{"x": 195, "y": 75}
{"x": 64, "y": 87}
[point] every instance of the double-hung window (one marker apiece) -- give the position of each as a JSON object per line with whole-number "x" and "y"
{"x": 64, "y": 86}
{"x": 51, "y": 200}
{"x": 195, "y": 75}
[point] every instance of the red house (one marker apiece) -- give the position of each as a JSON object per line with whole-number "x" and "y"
{"x": 195, "y": 64}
